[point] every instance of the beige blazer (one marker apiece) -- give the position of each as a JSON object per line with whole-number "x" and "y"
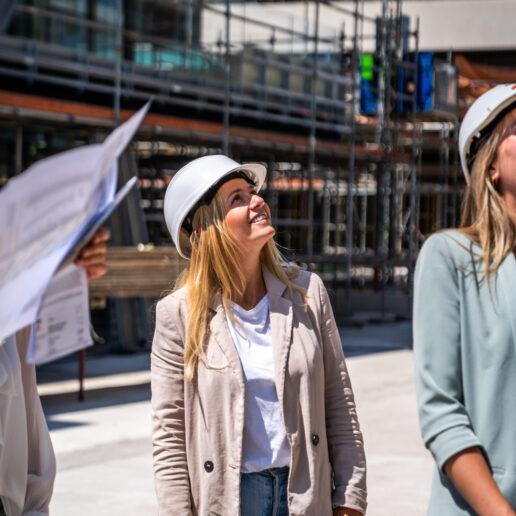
{"x": 198, "y": 425}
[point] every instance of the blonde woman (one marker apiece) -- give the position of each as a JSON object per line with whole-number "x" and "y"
{"x": 253, "y": 411}
{"x": 465, "y": 324}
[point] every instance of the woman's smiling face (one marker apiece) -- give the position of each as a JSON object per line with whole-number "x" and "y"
{"x": 248, "y": 217}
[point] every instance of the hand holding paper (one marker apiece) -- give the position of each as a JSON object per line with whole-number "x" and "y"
{"x": 92, "y": 257}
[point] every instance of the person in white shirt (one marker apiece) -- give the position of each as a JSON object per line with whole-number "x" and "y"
{"x": 253, "y": 410}
{"x": 27, "y": 462}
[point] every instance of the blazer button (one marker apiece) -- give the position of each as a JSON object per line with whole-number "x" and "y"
{"x": 208, "y": 466}
{"x": 315, "y": 439}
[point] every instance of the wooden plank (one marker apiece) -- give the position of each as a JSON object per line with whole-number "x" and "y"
{"x": 138, "y": 273}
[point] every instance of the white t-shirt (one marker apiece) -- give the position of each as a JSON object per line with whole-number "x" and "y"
{"x": 265, "y": 443}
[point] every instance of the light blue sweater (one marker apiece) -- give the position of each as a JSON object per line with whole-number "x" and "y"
{"x": 465, "y": 360}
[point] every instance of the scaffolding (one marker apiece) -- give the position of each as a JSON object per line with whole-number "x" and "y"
{"x": 343, "y": 180}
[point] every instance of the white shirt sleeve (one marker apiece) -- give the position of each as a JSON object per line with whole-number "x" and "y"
{"x": 27, "y": 463}
{"x": 41, "y": 468}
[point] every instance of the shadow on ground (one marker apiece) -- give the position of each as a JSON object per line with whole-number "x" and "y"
{"x": 95, "y": 398}
{"x": 376, "y": 338}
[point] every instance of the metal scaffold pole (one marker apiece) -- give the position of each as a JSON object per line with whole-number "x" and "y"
{"x": 312, "y": 139}
{"x": 18, "y": 150}
{"x": 118, "y": 60}
{"x": 227, "y": 82}
{"x": 352, "y": 189}
{"x": 415, "y": 165}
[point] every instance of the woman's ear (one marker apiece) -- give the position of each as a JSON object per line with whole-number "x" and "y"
{"x": 494, "y": 174}
{"x": 494, "y": 171}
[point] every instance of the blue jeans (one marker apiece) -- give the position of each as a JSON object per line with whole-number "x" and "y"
{"x": 264, "y": 493}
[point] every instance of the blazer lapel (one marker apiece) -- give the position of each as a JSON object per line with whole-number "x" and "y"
{"x": 280, "y": 308}
{"x": 220, "y": 331}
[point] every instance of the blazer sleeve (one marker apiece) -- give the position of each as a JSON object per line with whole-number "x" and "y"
{"x": 345, "y": 443}
{"x": 445, "y": 424}
{"x": 168, "y": 411}
{"x": 41, "y": 464}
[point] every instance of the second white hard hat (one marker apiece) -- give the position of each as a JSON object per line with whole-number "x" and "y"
{"x": 190, "y": 185}
{"x": 483, "y": 114}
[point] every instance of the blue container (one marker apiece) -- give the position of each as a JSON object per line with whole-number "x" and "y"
{"x": 368, "y": 98}
{"x": 424, "y": 93}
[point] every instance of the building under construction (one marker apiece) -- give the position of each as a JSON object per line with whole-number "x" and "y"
{"x": 356, "y": 125}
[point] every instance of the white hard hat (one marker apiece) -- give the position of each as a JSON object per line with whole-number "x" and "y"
{"x": 194, "y": 185}
{"x": 481, "y": 118}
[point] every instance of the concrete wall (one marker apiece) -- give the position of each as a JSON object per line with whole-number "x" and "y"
{"x": 465, "y": 24}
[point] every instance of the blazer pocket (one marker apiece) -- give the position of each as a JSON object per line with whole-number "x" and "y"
{"x": 215, "y": 357}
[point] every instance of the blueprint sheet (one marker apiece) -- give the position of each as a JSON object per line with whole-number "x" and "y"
{"x": 46, "y": 213}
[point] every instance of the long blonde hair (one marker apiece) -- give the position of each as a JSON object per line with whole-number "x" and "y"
{"x": 485, "y": 216}
{"x": 214, "y": 268}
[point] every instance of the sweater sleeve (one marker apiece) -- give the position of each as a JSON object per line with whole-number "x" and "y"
{"x": 445, "y": 425}
{"x": 345, "y": 443}
{"x": 168, "y": 413}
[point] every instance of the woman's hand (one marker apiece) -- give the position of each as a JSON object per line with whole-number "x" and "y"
{"x": 344, "y": 511}
{"x": 470, "y": 474}
{"x": 93, "y": 255}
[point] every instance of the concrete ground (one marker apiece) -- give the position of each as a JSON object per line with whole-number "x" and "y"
{"x": 103, "y": 445}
